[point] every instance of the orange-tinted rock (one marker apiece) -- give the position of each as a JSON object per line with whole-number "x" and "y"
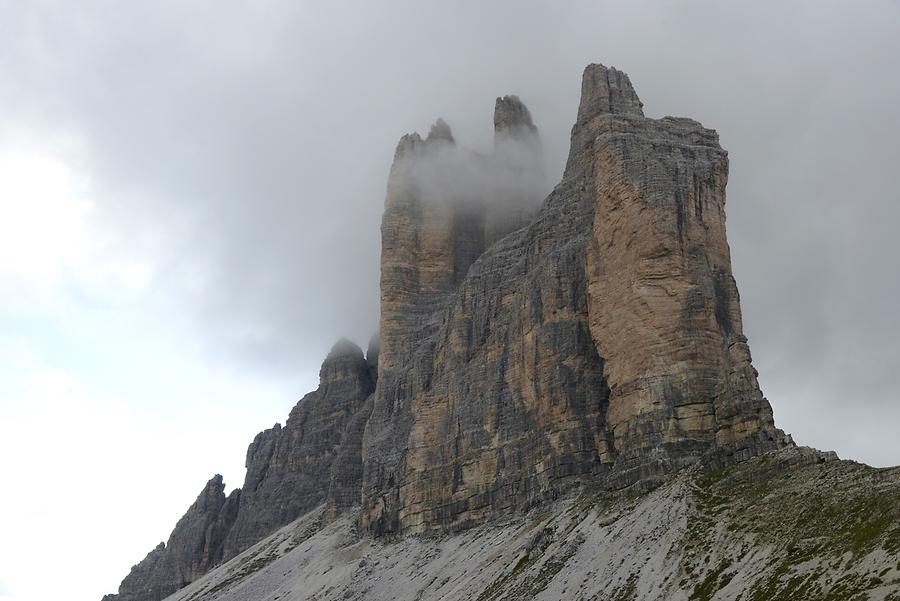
{"x": 664, "y": 308}
{"x": 524, "y": 349}
{"x": 600, "y": 342}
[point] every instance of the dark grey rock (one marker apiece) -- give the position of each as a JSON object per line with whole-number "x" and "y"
{"x": 288, "y": 468}
{"x": 194, "y": 547}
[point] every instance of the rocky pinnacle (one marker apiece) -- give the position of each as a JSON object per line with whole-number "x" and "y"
{"x": 512, "y": 119}
{"x": 525, "y": 349}
{"x": 602, "y": 341}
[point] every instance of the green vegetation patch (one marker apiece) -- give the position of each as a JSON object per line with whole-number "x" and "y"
{"x": 252, "y": 564}
{"x": 715, "y": 580}
{"x": 820, "y": 519}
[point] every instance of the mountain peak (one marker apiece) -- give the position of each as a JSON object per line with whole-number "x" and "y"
{"x": 512, "y": 119}
{"x": 592, "y": 344}
{"x": 344, "y": 348}
{"x": 440, "y": 131}
{"x": 607, "y": 90}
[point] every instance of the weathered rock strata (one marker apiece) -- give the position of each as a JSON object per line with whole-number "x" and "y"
{"x": 524, "y": 348}
{"x": 287, "y": 467}
{"x": 663, "y": 306}
{"x": 601, "y": 341}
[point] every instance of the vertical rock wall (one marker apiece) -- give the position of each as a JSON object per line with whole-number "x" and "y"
{"x": 524, "y": 349}
{"x": 664, "y": 307}
{"x": 602, "y": 340}
{"x": 491, "y": 395}
{"x": 287, "y": 467}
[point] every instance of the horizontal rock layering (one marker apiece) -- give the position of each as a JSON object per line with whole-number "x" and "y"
{"x": 524, "y": 348}
{"x": 601, "y": 341}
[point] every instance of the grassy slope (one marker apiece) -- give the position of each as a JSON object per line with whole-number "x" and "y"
{"x": 781, "y": 527}
{"x": 833, "y": 528}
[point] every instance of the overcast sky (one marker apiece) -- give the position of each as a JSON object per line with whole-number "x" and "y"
{"x": 190, "y": 198}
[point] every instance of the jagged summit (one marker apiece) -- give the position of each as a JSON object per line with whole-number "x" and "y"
{"x": 607, "y": 90}
{"x": 194, "y": 547}
{"x": 440, "y": 131}
{"x": 215, "y": 482}
{"x": 412, "y": 144}
{"x": 527, "y": 352}
{"x": 602, "y": 341}
{"x": 512, "y": 119}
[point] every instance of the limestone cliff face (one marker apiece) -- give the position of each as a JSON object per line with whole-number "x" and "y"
{"x": 440, "y": 401}
{"x": 663, "y": 305}
{"x": 602, "y": 341}
{"x": 194, "y": 547}
{"x": 524, "y": 348}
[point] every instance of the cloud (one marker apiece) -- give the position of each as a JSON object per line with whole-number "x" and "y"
{"x": 440, "y": 171}
{"x": 106, "y": 476}
{"x": 42, "y": 224}
{"x": 192, "y": 193}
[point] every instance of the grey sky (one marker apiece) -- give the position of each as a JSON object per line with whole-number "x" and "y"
{"x": 216, "y": 174}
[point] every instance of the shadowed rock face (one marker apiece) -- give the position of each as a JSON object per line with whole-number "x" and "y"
{"x": 601, "y": 341}
{"x": 288, "y": 468}
{"x": 490, "y": 390}
{"x": 194, "y": 547}
{"x": 315, "y": 458}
